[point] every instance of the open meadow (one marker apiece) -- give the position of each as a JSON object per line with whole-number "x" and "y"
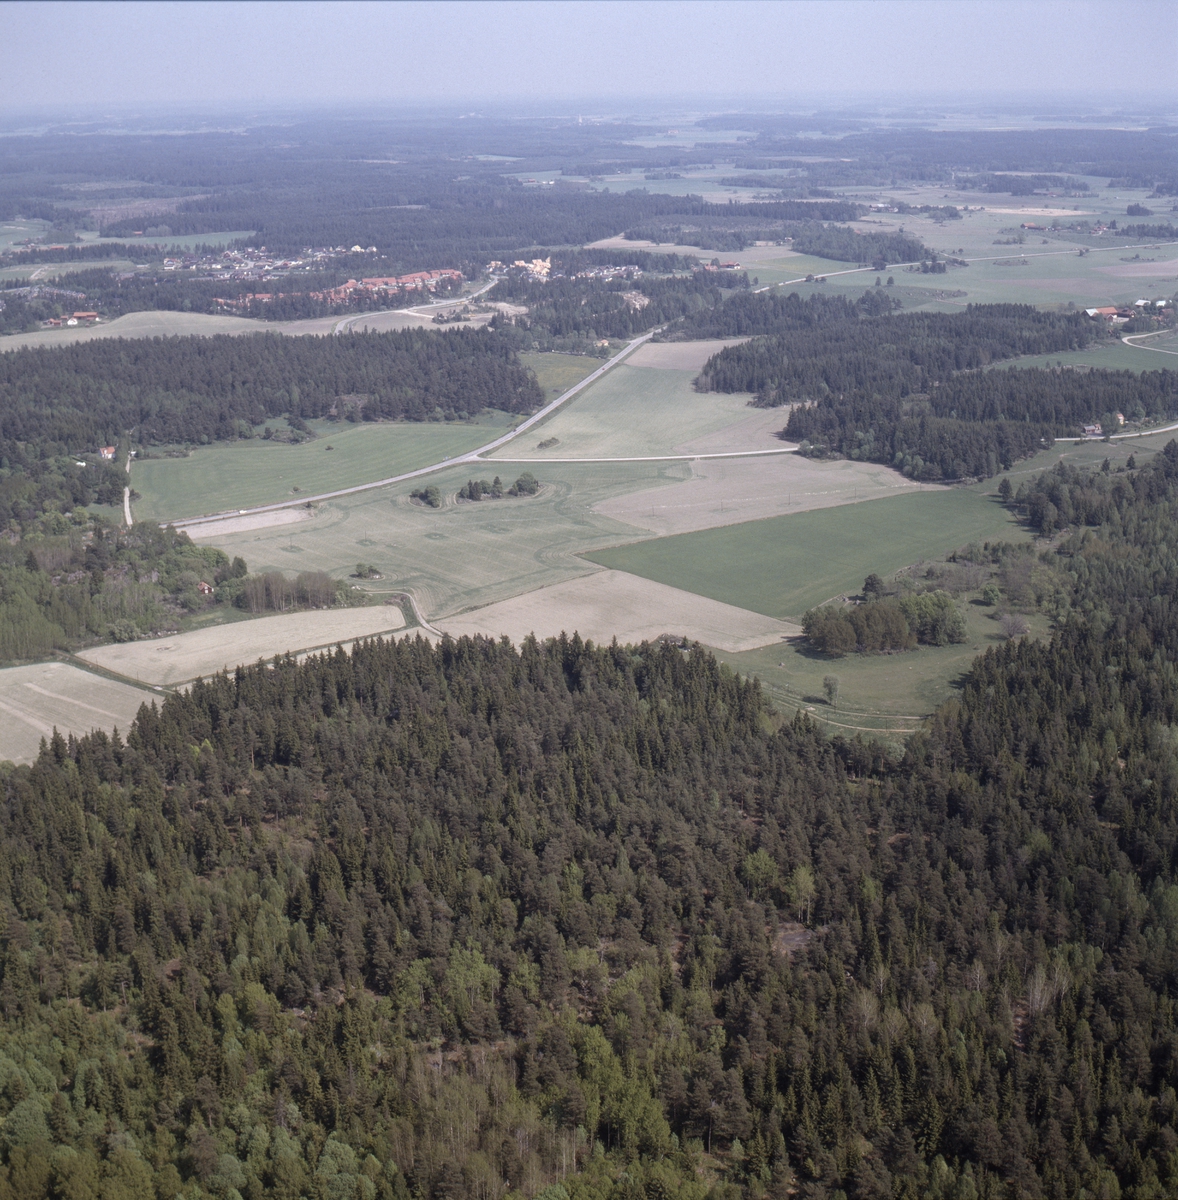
{"x": 37, "y": 699}
{"x": 180, "y": 657}
{"x": 556, "y": 373}
{"x": 633, "y": 411}
{"x": 878, "y": 693}
{"x": 782, "y": 566}
{"x": 248, "y": 473}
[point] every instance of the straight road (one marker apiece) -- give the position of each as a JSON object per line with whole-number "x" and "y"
{"x": 469, "y": 456}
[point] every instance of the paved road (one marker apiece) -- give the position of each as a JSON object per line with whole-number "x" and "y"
{"x": 469, "y": 456}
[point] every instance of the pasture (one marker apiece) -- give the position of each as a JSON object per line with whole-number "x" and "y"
{"x": 176, "y": 659}
{"x": 783, "y": 566}
{"x": 630, "y": 412}
{"x": 37, "y": 699}
{"x": 556, "y": 373}
{"x": 247, "y": 473}
{"x": 878, "y": 693}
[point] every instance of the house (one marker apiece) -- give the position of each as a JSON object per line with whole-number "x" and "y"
{"x": 85, "y": 316}
{"x": 1093, "y": 431}
{"x": 107, "y": 452}
{"x": 204, "y": 588}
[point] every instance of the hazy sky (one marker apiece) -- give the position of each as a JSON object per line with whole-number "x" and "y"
{"x": 219, "y": 54}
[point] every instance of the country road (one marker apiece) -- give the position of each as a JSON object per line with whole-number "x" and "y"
{"x": 469, "y": 456}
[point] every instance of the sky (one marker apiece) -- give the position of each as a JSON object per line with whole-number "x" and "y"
{"x": 119, "y": 55}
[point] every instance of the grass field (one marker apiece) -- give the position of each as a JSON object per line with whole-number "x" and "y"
{"x": 556, "y": 373}
{"x": 784, "y": 565}
{"x": 35, "y": 700}
{"x": 244, "y": 474}
{"x": 879, "y": 693}
{"x": 172, "y": 660}
{"x": 45, "y": 272}
{"x": 631, "y": 411}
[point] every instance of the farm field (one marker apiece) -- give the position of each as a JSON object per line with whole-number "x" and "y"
{"x": 782, "y": 566}
{"x": 1108, "y": 356}
{"x": 632, "y": 411}
{"x": 244, "y": 474}
{"x": 733, "y": 491}
{"x": 37, "y": 699}
{"x": 462, "y": 554}
{"x": 556, "y": 373}
{"x": 169, "y": 661}
{"x": 609, "y": 604}
{"x": 164, "y": 324}
{"x": 45, "y": 272}
{"x": 184, "y": 241}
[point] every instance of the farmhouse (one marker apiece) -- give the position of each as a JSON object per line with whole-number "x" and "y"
{"x": 1093, "y": 431}
{"x": 107, "y": 452}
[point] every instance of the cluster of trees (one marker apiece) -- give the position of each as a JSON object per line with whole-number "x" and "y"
{"x": 74, "y": 578}
{"x": 480, "y": 489}
{"x": 758, "y": 314}
{"x": 275, "y": 592}
{"x": 907, "y": 389}
{"x": 827, "y": 346}
{"x": 885, "y": 624}
{"x": 197, "y": 389}
{"x": 845, "y": 244}
{"x": 571, "y": 308}
{"x": 1021, "y": 185}
{"x": 467, "y": 920}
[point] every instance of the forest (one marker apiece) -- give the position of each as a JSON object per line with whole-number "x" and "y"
{"x": 477, "y": 920}
{"x": 202, "y": 389}
{"x": 566, "y": 310}
{"x": 911, "y": 389}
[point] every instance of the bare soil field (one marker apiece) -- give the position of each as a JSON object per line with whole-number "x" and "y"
{"x": 171, "y": 660}
{"x": 680, "y": 356}
{"x": 35, "y": 700}
{"x": 609, "y": 604}
{"x": 267, "y": 520}
{"x": 730, "y": 491}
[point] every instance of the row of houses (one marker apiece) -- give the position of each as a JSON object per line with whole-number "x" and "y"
{"x": 1116, "y": 314}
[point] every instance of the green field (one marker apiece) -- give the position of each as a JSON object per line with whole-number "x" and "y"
{"x": 631, "y": 411}
{"x": 556, "y": 373}
{"x": 463, "y": 554}
{"x": 784, "y": 565}
{"x": 880, "y": 693}
{"x": 245, "y": 474}
{"x": 44, "y": 272}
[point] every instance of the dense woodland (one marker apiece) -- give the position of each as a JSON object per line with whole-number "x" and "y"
{"x": 910, "y": 389}
{"x": 567, "y": 310}
{"x": 461, "y": 920}
{"x": 198, "y": 389}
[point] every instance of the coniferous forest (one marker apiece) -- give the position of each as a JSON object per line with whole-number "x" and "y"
{"x": 911, "y": 389}
{"x": 471, "y": 920}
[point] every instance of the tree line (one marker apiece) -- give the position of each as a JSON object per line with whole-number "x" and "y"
{"x": 193, "y": 389}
